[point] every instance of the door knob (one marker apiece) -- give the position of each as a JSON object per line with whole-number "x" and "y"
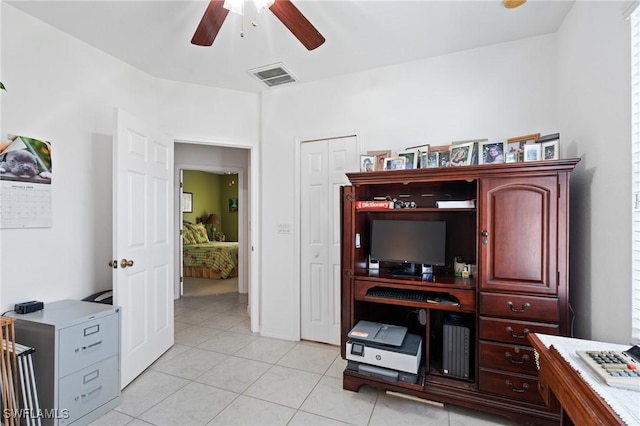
{"x": 113, "y": 263}
{"x": 124, "y": 263}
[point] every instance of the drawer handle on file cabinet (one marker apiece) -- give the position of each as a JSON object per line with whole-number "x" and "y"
{"x": 524, "y": 358}
{"x": 92, "y": 345}
{"x": 88, "y": 394}
{"x": 524, "y": 306}
{"x": 515, "y": 336}
{"x": 524, "y": 388}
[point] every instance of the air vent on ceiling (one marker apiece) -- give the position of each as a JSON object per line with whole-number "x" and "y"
{"x": 273, "y": 75}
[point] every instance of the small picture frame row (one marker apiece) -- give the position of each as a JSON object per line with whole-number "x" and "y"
{"x": 464, "y": 153}
{"x": 526, "y": 148}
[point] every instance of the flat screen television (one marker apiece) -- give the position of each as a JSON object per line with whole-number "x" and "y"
{"x": 409, "y": 242}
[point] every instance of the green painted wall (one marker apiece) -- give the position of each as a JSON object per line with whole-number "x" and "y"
{"x": 211, "y": 194}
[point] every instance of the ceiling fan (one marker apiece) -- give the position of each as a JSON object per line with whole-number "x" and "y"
{"x": 284, "y": 10}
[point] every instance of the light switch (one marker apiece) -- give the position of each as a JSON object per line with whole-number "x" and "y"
{"x": 284, "y": 228}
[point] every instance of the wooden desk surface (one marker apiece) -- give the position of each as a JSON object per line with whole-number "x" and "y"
{"x": 560, "y": 382}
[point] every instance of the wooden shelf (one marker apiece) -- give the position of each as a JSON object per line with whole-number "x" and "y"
{"x": 418, "y": 210}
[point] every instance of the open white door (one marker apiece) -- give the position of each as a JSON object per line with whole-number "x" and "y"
{"x": 143, "y": 242}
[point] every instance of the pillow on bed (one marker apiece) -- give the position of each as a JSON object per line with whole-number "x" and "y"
{"x": 187, "y": 235}
{"x": 200, "y": 233}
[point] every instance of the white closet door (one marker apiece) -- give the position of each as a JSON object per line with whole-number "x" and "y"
{"x": 323, "y": 168}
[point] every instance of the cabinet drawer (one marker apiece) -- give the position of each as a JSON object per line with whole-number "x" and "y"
{"x": 523, "y": 307}
{"x": 512, "y": 331}
{"x": 87, "y": 389}
{"x": 514, "y": 358}
{"x": 87, "y": 343}
{"x": 515, "y": 386}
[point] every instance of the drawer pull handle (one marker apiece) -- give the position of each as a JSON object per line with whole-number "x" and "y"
{"x": 92, "y": 345}
{"x": 525, "y": 306}
{"x": 85, "y": 395}
{"x": 524, "y": 388}
{"x": 524, "y": 358}
{"x": 515, "y": 336}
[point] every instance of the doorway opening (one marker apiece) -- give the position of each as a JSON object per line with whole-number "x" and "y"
{"x": 233, "y": 167}
{"x": 210, "y": 233}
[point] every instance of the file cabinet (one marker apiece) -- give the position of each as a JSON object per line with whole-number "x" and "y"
{"x": 77, "y": 359}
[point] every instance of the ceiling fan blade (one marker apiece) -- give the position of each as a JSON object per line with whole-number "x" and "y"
{"x": 299, "y": 26}
{"x": 210, "y": 23}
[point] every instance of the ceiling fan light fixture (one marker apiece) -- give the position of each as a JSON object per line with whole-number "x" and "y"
{"x": 235, "y": 6}
{"x": 262, "y": 5}
{"x": 512, "y": 4}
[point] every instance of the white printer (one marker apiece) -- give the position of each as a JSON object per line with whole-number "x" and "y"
{"x": 387, "y": 346}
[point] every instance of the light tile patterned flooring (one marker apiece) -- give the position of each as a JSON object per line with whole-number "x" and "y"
{"x": 219, "y": 373}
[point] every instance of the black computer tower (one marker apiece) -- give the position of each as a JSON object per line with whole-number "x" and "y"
{"x": 456, "y": 347}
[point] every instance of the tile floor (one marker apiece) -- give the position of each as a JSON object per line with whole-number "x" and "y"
{"x": 219, "y": 373}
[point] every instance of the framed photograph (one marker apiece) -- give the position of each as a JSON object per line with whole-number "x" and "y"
{"x": 491, "y": 152}
{"x": 424, "y": 160}
{"x": 444, "y": 158}
{"x": 432, "y": 159}
{"x": 468, "y": 141}
{"x": 460, "y": 154}
{"x": 423, "y": 150}
{"x": 187, "y": 202}
{"x": 550, "y": 150}
{"x": 517, "y": 144}
{"x": 412, "y": 157}
{"x": 367, "y": 163}
{"x": 380, "y": 157}
{"x": 532, "y": 152}
{"x": 233, "y": 204}
{"x": 512, "y": 152}
{"x": 395, "y": 163}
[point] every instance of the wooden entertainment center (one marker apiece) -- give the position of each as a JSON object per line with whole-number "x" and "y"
{"x": 517, "y": 235}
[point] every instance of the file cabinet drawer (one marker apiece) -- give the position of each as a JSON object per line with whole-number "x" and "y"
{"x": 512, "y": 331}
{"x": 89, "y": 388}
{"x": 87, "y": 343}
{"x": 522, "y": 307}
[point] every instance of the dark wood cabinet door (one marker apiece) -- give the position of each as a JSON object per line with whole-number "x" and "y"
{"x": 518, "y": 234}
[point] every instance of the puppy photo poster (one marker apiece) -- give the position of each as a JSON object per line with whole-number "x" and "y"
{"x": 25, "y": 182}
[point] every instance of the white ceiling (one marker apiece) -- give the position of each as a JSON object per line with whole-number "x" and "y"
{"x": 155, "y": 36}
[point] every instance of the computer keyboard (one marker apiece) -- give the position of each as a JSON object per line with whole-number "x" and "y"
{"x": 398, "y": 294}
{"x": 413, "y": 296}
{"x": 617, "y": 368}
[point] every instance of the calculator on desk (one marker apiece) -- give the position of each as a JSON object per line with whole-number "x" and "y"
{"x": 620, "y": 369}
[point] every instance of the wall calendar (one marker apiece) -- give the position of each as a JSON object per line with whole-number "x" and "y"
{"x": 25, "y": 183}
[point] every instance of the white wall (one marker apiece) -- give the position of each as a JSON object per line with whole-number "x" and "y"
{"x": 594, "y": 88}
{"x": 64, "y": 91}
{"x": 495, "y": 92}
